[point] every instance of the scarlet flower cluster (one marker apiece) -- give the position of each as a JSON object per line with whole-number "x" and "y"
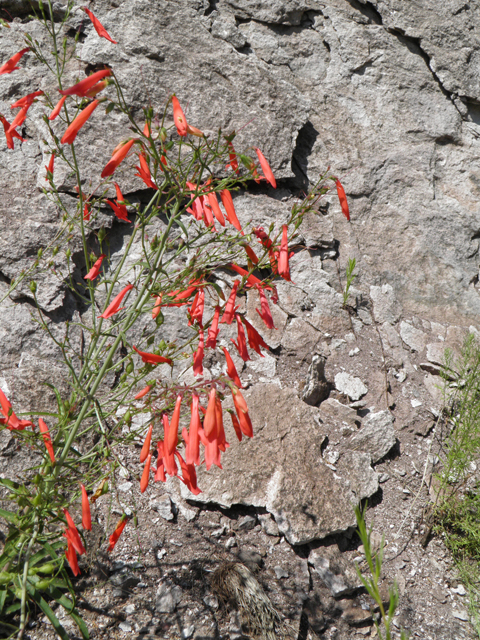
{"x": 206, "y": 428}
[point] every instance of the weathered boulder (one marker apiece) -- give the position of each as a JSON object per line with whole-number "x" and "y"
{"x": 282, "y": 470}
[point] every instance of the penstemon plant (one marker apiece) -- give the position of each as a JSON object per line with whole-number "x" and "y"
{"x": 114, "y": 353}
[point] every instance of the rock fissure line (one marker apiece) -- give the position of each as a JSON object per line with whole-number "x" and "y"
{"x": 403, "y": 38}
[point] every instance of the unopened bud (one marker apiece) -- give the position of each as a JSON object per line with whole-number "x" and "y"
{"x": 101, "y": 234}
{"x": 163, "y": 134}
{"x": 68, "y": 253}
{"x": 33, "y": 286}
{"x": 40, "y": 253}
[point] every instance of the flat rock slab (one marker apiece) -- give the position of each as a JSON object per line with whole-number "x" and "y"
{"x": 281, "y": 469}
{"x": 377, "y": 435}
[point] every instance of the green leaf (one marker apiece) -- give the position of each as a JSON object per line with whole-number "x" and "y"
{"x": 110, "y": 108}
{"x": 13, "y": 607}
{"x": 36, "y": 597}
{"x": 3, "y": 597}
{"x": 14, "y": 486}
{"x": 8, "y": 516}
{"x": 182, "y": 227}
{"x": 218, "y": 289}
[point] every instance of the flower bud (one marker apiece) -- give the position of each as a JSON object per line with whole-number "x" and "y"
{"x": 33, "y": 286}
{"x": 101, "y": 234}
{"x": 68, "y": 253}
{"x": 40, "y": 253}
{"x": 163, "y": 134}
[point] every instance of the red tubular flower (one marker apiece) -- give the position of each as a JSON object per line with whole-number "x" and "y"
{"x": 196, "y": 310}
{"x": 213, "y": 330}
{"x": 212, "y": 451}
{"x": 222, "y": 442}
{"x": 27, "y": 100}
{"x": 72, "y": 131}
{"x": 263, "y": 237}
{"x": 95, "y": 90}
{"x": 171, "y": 438}
{"x": 180, "y": 297}
{"x": 47, "y": 439}
{"x": 217, "y": 212}
{"x": 10, "y": 136}
{"x": 73, "y": 534}
{"x": 57, "y": 108}
{"x": 265, "y": 313}
{"x": 119, "y": 210}
{"x": 10, "y": 65}
{"x": 242, "y": 412}
{"x": 157, "y": 307}
{"x": 230, "y": 306}
{"x": 251, "y": 253}
{"x": 267, "y": 171}
{"x": 255, "y": 340}
{"x": 168, "y": 458}
{"x": 83, "y": 87}
{"x": 25, "y": 103}
{"x": 122, "y": 523}
{"x": 95, "y": 270}
{"x": 119, "y": 207}
{"x": 141, "y": 394}
{"x": 72, "y": 558}
{"x": 230, "y": 209}
{"x": 198, "y": 355}
{"x": 146, "y": 445}
{"x": 192, "y": 450}
{"x": 86, "y": 212}
{"x": 179, "y": 117}
{"x": 283, "y": 266}
{"x": 117, "y": 157}
{"x": 210, "y": 420}
{"x": 49, "y": 169}
{"x": 160, "y": 472}
{"x": 18, "y": 120}
{"x": 342, "y": 198}
{"x": 241, "y": 343}
{"x": 189, "y": 476}
{"x": 10, "y": 420}
{"x": 146, "y": 474}
{"x": 231, "y": 369}
{"x": 144, "y": 172}
{"x": 86, "y": 515}
{"x": 236, "y": 426}
{"x": 251, "y": 279}
{"x": 99, "y": 28}
{"x": 194, "y": 131}
{"x": 232, "y": 157}
{"x": 152, "y": 358}
{"x": 114, "y": 306}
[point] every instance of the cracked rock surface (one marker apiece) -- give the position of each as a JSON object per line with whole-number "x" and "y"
{"x": 386, "y": 93}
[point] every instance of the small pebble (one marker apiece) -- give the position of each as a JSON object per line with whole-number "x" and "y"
{"x": 280, "y": 572}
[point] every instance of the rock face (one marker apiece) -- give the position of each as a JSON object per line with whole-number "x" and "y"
{"x": 386, "y": 93}
{"x": 281, "y": 469}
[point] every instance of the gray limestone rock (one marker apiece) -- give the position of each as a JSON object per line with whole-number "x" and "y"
{"x": 385, "y": 305}
{"x": 281, "y": 469}
{"x": 351, "y": 386}
{"x": 377, "y": 435}
{"x": 168, "y": 597}
{"x": 332, "y": 409}
{"x": 163, "y": 506}
{"x": 316, "y": 386}
{"x": 412, "y": 337}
